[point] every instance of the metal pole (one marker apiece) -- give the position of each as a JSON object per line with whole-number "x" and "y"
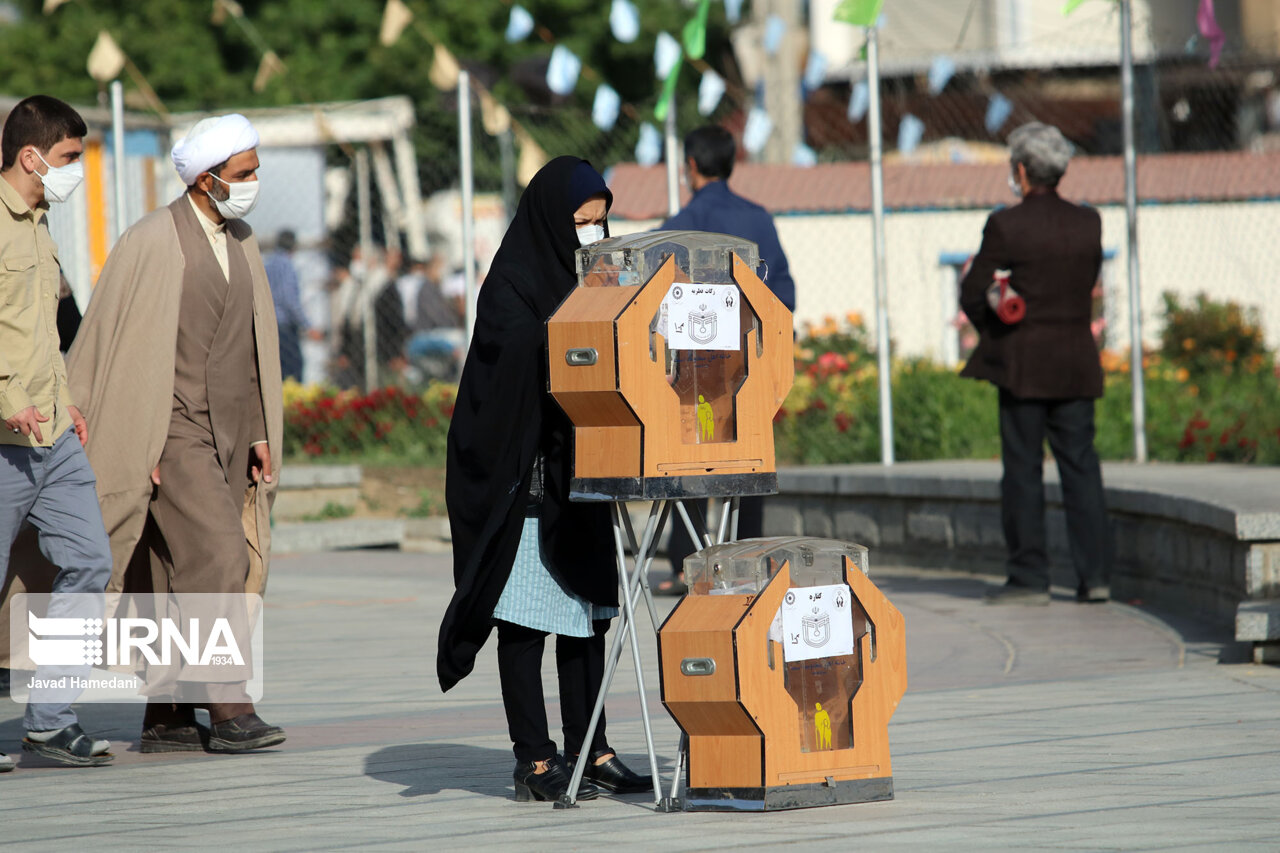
{"x": 877, "y": 238}
{"x": 117, "y": 155}
{"x": 1131, "y": 246}
{"x": 368, "y": 323}
{"x": 673, "y": 159}
{"x": 468, "y": 199}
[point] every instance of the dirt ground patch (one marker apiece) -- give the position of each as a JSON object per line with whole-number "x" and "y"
{"x": 400, "y": 491}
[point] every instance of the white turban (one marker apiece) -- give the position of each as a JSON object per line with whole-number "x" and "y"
{"x": 212, "y": 141}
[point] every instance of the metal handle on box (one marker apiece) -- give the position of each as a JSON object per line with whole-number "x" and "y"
{"x": 698, "y": 666}
{"x": 581, "y": 356}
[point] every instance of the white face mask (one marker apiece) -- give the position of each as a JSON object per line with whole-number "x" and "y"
{"x": 60, "y": 182}
{"x": 241, "y": 198}
{"x": 589, "y": 234}
{"x": 1015, "y": 187}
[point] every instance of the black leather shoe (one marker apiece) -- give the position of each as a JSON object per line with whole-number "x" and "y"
{"x": 243, "y": 733}
{"x": 165, "y": 737}
{"x": 549, "y": 785}
{"x": 616, "y": 777}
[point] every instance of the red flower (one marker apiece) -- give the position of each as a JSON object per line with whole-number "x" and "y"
{"x": 843, "y": 421}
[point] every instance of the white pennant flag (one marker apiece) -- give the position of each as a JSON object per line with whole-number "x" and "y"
{"x": 604, "y": 109}
{"x": 649, "y": 146}
{"x": 563, "y": 70}
{"x": 395, "y": 17}
{"x": 666, "y": 53}
{"x": 106, "y": 59}
{"x": 710, "y": 91}
{"x": 624, "y": 20}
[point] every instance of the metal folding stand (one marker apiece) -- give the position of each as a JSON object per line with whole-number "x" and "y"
{"x": 635, "y": 584}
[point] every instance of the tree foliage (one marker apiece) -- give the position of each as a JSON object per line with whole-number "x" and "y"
{"x": 332, "y": 53}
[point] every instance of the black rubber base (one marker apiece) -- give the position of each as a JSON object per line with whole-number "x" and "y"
{"x": 784, "y": 797}
{"x": 672, "y": 488}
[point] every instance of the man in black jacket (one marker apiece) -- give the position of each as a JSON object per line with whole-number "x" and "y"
{"x": 1046, "y": 367}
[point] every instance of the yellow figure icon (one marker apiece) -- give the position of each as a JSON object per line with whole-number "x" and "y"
{"x": 706, "y": 420}
{"x": 822, "y": 725}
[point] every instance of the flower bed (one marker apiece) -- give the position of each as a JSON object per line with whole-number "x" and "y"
{"x": 1212, "y": 396}
{"x": 323, "y": 424}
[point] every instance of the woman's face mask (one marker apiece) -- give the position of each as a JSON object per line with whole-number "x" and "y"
{"x": 588, "y": 234}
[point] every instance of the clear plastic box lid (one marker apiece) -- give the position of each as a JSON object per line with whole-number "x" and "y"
{"x": 701, "y": 257}
{"x": 745, "y": 567}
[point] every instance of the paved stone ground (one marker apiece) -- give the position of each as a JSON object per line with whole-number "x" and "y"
{"x": 1064, "y": 728}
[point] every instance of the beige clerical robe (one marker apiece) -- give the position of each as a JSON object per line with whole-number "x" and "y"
{"x": 122, "y": 374}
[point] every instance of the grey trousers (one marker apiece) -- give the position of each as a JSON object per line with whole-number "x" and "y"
{"x": 54, "y": 489}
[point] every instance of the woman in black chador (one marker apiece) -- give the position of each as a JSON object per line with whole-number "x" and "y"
{"x": 525, "y": 559}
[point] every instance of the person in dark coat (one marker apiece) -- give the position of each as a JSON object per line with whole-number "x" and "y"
{"x": 710, "y": 153}
{"x": 1046, "y": 367}
{"x": 526, "y": 560}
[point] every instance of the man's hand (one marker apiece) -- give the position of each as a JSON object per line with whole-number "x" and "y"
{"x": 77, "y": 421}
{"x": 27, "y": 422}
{"x": 155, "y": 475}
{"x": 261, "y": 470}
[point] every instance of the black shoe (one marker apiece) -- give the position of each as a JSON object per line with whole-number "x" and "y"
{"x": 550, "y": 785}
{"x": 71, "y": 746}
{"x": 243, "y": 733}
{"x": 616, "y": 777}
{"x": 1093, "y": 594}
{"x": 1012, "y": 594}
{"x": 165, "y": 737}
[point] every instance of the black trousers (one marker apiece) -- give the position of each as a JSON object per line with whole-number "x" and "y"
{"x": 679, "y": 546}
{"x": 580, "y": 667}
{"x": 1068, "y": 424}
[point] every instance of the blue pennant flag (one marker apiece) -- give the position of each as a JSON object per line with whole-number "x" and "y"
{"x": 624, "y": 20}
{"x": 941, "y": 70}
{"x": 756, "y": 133}
{"x": 666, "y": 53}
{"x": 803, "y": 155}
{"x": 815, "y": 70}
{"x": 733, "y": 10}
{"x": 519, "y": 25}
{"x": 910, "y": 132}
{"x": 563, "y": 70}
{"x": 775, "y": 29}
{"x": 859, "y": 100}
{"x": 710, "y": 91}
{"x": 649, "y": 146}
{"x": 604, "y": 109}
{"x": 999, "y": 108}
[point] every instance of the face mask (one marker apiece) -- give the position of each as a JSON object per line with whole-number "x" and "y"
{"x": 1015, "y": 187}
{"x": 61, "y": 182}
{"x": 589, "y": 234}
{"x": 241, "y": 197}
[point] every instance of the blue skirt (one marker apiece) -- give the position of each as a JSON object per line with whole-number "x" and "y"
{"x": 535, "y": 599}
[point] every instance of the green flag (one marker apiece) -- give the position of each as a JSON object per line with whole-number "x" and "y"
{"x": 860, "y": 13}
{"x": 1071, "y": 6}
{"x": 668, "y": 89}
{"x": 694, "y": 35}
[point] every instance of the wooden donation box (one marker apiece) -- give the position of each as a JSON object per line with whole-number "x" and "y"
{"x": 783, "y": 665}
{"x": 671, "y": 358}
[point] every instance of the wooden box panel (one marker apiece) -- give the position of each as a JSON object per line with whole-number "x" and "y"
{"x": 607, "y": 451}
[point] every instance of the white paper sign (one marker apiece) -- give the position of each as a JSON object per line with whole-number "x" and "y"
{"x": 703, "y": 316}
{"x": 817, "y": 622}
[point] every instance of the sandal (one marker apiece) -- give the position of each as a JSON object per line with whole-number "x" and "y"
{"x": 69, "y": 746}
{"x": 673, "y": 585}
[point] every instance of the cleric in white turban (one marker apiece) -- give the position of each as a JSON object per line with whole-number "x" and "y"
{"x": 178, "y": 362}
{"x": 211, "y": 142}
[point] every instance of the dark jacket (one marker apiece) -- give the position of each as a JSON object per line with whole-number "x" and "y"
{"x": 716, "y": 208}
{"x": 1053, "y": 249}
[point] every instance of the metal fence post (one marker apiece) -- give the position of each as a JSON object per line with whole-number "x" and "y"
{"x": 877, "y": 236}
{"x": 1131, "y": 220}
